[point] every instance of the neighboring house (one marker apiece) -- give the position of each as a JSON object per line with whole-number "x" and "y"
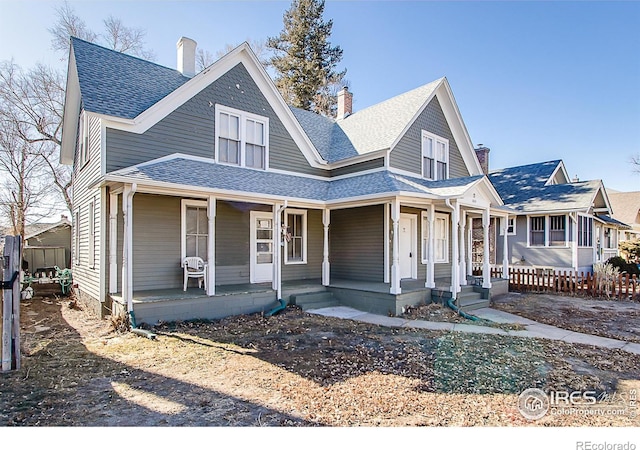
{"x": 626, "y": 209}
{"x": 559, "y": 223}
{"x": 48, "y": 245}
{"x": 373, "y": 208}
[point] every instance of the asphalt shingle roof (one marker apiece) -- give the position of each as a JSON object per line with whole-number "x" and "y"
{"x": 626, "y": 206}
{"x": 201, "y": 174}
{"x": 523, "y": 189}
{"x": 120, "y": 85}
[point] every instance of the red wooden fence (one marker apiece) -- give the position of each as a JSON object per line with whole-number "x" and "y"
{"x": 545, "y": 280}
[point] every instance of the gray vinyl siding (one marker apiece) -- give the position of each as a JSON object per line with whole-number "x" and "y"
{"x": 407, "y": 154}
{"x": 313, "y": 268}
{"x": 190, "y": 128}
{"x": 366, "y": 165}
{"x": 560, "y": 257}
{"x": 356, "y": 239}
{"x": 87, "y": 278}
{"x": 156, "y": 242}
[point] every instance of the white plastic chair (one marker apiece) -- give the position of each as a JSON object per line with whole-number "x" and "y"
{"x": 195, "y": 267}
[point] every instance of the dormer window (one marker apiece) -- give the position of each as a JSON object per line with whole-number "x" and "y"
{"x": 435, "y": 157}
{"x": 241, "y": 138}
{"x": 83, "y": 140}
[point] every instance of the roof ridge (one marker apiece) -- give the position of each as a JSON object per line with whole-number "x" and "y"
{"x": 556, "y": 161}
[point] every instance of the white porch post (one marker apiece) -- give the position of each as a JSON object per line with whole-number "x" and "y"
{"x": 463, "y": 257}
{"x": 326, "y": 268}
{"x": 455, "y": 252}
{"x": 395, "y": 266}
{"x": 469, "y": 246}
{"x": 431, "y": 277}
{"x": 211, "y": 247}
{"x": 127, "y": 245}
{"x": 386, "y": 243}
{"x": 505, "y": 249}
{"x": 113, "y": 243}
{"x": 486, "y": 269}
{"x": 277, "y": 252}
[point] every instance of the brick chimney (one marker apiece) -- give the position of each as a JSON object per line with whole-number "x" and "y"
{"x": 482, "y": 153}
{"x": 186, "y": 56}
{"x": 345, "y": 103}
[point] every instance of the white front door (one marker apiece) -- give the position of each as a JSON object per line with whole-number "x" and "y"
{"x": 407, "y": 248}
{"x": 261, "y": 247}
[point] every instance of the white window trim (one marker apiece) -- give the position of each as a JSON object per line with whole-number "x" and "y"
{"x": 91, "y": 224}
{"x": 243, "y": 116}
{"x": 183, "y": 224}
{"x": 303, "y": 213}
{"x": 547, "y": 229}
{"x": 83, "y": 140}
{"x": 509, "y": 233}
{"x": 446, "y": 238}
{"x": 436, "y": 139}
{"x": 593, "y": 239}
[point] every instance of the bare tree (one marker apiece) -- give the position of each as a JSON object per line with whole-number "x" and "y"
{"x": 204, "y": 59}
{"x": 125, "y": 39}
{"x": 635, "y": 161}
{"x": 31, "y": 106}
{"x": 68, "y": 24}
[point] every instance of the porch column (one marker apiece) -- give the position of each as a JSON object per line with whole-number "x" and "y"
{"x": 486, "y": 269}
{"x": 469, "y": 246}
{"x": 113, "y": 243}
{"x": 455, "y": 252}
{"x": 211, "y": 247}
{"x": 277, "y": 249}
{"x": 326, "y": 268}
{"x": 127, "y": 245}
{"x": 386, "y": 243}
{"x": 463, "y": 257}
{"x": 431, "y": 277}
{"x": 395, "y": 266}
{"x": 505, "y": 249}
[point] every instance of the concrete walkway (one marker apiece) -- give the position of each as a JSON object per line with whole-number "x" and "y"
{"x": 532, "y": 329}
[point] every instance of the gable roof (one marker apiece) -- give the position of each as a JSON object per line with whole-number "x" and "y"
{"x": 626, "y": 206}
{"x": 36, "y": 229}
{"x": 525, "y": 189}
{"x": 130, "y": 86}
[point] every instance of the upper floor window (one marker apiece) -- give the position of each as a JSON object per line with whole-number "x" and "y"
{"x": 241, "y": 138}
{"x": 83, "y": 139}
{"x": 435, "y": 157}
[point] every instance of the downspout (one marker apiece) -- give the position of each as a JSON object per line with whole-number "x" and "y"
{"x": 277, "y": 260}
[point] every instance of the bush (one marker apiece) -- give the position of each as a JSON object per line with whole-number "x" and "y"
{"x": 623, "y": 265}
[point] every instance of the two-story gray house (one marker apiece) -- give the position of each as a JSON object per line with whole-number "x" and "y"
{"x": 373, "y": 208}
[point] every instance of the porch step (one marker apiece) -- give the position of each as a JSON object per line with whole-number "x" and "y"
{"x": 314, "y": 300}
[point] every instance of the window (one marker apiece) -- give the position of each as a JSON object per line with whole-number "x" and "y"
{"x": 610, "y": 238}
{"x": 441, "y": 238}
{"x": 511, "y": 227}
{"x": 557, "y": 230}
{"x": 435, "y": 157}
{"x": 536, "y": 231}
{"x": 83, "y": 139}
{"x": 241, "y": 138}
{"x": 585, "y": 234}
{"x": 92, "y": 235}
{"x": 425, "y": 238}
{"x": 195, "y": 229}
{"x": 295, "y": 223}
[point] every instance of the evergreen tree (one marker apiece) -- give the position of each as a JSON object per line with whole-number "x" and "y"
{"x": 304, "y": 59}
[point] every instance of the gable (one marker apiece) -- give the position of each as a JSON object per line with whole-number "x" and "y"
{"x": 190, "y": 129}
{"x": 407, "y": 153}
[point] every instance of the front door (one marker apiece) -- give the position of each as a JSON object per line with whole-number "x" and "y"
{"x": 261, "y": 247}
{"x": 408, "y": 240}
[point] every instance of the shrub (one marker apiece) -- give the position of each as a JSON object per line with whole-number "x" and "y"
{"x": 623, "y": 265}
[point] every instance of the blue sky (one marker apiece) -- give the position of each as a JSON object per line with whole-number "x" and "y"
{"x": 534, "y": 81}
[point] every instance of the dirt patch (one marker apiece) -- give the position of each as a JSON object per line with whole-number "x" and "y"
{"x": 435, "y": 312}
{"x": 616, "y": 319}
{"x": 294, "y": 369}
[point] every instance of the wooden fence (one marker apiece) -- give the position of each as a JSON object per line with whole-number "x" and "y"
{"x": 548, "y": 280}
